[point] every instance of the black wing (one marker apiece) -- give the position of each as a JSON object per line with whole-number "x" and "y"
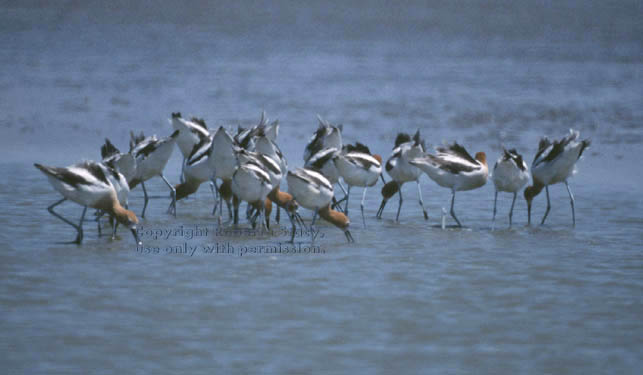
{"x": 457, "y": 150}
{"x": 108, "y": 149}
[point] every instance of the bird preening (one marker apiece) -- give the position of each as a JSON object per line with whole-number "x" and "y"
{"x": 248, "y": 166}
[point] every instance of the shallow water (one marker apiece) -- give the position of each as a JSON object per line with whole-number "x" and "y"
{"x": 406, "y": 296}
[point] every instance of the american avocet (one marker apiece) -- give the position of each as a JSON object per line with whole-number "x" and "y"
{"x": 124, "y": 163}
{"x": 452, "y": 167}
{"x": 224, "y": 160}
{"x": 510, "y": 174}
{"x": 554, "y": 163}
{"x": 398, "y": 167}
{"x": 152, "y": 155}
{"x": 199, "y": 169}
{"x": 358, "y": 168}
{"x": 323, "y": 162}
{"x": 191, "y": 133}
{"x": 326, "y": 136}
{"x": 252, "y": 184}
{"x": 87, "y": 184}
{"x": 266, "y": 143}
{"x": 268, "y": 164}
{"x": 120, "y": 168}
{"x": 314, "y": 192}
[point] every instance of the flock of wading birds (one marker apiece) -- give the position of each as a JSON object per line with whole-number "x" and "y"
{"x": 251, "y": 167}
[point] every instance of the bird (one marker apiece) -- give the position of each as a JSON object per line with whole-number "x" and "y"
{"x": 223, "y": 159}
{"x": 87, "y": 184}
{"x": 191, "y": 133}
{"x": 401, "y": 171}
{"x": 327, "y": 135}
{"x": 313, "y": 191}
{"x": 252, "y": 184}
{"x": 265, "y": 139}
{"x": 199, "y": 168}
{"x": 510, "y": 174}
{"x": 554, "y": 163}
{"x": 121, "y": 167}
{"x": 323, "y": 162}
{"x": 267, "y": 164}
{"x": 358, "y": 167}
{"x": 125, "y": 163}
{"x": 452, "y": 167}
{"x": 152, "y": 155}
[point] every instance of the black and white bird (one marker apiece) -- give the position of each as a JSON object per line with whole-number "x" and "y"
{"x": 152, "y": 155}
{"x": 358, "y": 167}
{"x": 510, "y": 174}
{"x": 401, "y": 171}
{"x": 554, "y": 163}
{"x": 326, "y": 136}
{"x": 452, "y": 167}
{"x": 87, "y": 183}
{"x": 314, "y": 192}
{"x": 191, "y": 133}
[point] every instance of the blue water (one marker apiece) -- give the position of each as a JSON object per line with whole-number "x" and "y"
{"x": 406, "y": 297}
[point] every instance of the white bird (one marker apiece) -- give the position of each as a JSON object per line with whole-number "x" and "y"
{"x": 452, "y": 167}
{"x": 358, "y": 168}
{"x": 268, "y": 165}
{"x": 152, "y": 155}
{"x": 199, "y": 168}
{"x": 252, "y": 184}
{"x": 314, "y": 192}
{"x": 87, "y": 184}
{"x": 326, "y": 136}
{"x": 125, "y": 163}
{"x": 323, "y": 161}
{"x": 510, "y": 174}
{"x": 224, "y": 162}
{"x": 191, "y": 133}
{"x": 398, "y": 167}
{"x": 554, "y": 163}
{"x": 120, "y": 167}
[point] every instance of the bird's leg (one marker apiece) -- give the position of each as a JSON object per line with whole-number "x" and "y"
{"x": 426, "y": 216}
{"x": 343, "y": 190}
{"x": 227, "y": 204}
{"x": 571, "y": 201}
{"x": 452, "y": 211}
{"x": 278, "y": 214}
{"x": 495, "y": 201}
{"x": 215, "y": 194}
{"x": 99, "y": 215}
{"x": 294, "y": 227}
{"x": 79, "y": 237}
{"x": 182, "y": 178}
{"x": 235, "y": 203}
{"x": 336, "y": 204}
{"x": 362, "y": 206}
{"x": 146, "y": 199}
{"x": 348, "y": 194}
{"x": 312, "y": 227}
{"x": 114, "y": 226}
{"x": 172, "y": 208}
{"x": 399, "y": 207}
{"x": 511, "y": 211}
{"x": 382, "y": 177}
{"x": 381, "y": 209}
{"x": 56, "y": 214}
{"x": 548, "y": 205}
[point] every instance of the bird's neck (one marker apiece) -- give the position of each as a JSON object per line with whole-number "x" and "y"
{"x": 119, "y": 212}
{"x": 280, "y": 198}
{"x": 336, "y": 218}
